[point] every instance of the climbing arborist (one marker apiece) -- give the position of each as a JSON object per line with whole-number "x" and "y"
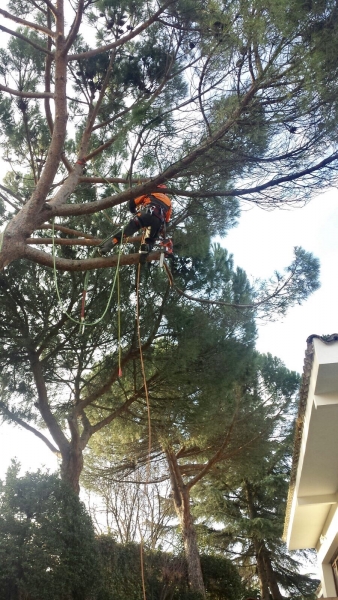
{"x": 153, "y": 211}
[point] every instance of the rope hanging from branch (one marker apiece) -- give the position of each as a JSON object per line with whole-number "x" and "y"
{"x": 82, "y": 322}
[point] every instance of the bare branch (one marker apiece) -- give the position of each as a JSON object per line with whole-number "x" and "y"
{"x": 64, "y": 264}
{"x": 13, "y": 417}
{"x": 28, "y": 24}
{"x": 11, "y": 193}
{"x": 16, "y": 208}
{"x": 4, "y": 88}
{"x": 26, "y": 39}
{"x": 75, "y": 27}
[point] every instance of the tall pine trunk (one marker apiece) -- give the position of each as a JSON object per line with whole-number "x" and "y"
{"x": 266, "y": 574}
{"x": 261, "y": 571}
{"x": 71, "y": 467}
{"x": 190, "y": 544}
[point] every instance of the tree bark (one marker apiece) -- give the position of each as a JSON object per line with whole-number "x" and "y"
{"x": 181, "y": 496}
{"x": 273, "y": 585}
{"x": 71, "y": 466}
{"x": 190, "y": 544}
{"x": 266, "y": 574}
{"x": 261, "y": 571}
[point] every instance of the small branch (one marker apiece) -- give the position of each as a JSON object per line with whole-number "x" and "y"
{"x": 104, "y": 146}
{"x": 4, "y": 88}
{"x": 263, "y": 186}
{"x": 16, "y": 208}
{"x": 276, "y": 293}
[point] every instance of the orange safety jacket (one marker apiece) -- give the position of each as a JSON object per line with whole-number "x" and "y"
{"x": 144, "y": 200}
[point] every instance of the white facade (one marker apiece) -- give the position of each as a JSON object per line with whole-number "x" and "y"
{"x": 312, "y": 512}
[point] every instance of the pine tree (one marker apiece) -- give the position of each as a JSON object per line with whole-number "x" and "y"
{"x": 248, "y": 500}
{"x": 199, "y": 95}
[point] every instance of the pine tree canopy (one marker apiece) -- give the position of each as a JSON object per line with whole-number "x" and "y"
{"x": 102, "y": 101}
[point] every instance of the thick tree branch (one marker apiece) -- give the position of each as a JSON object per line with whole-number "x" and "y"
{"x": 48, "y": 68}
{"x": 217, "y": 456}
{"x": 75, "y": 26}
{"x": 63, "y": 242}
{"x": 170, "y": 172}
{"x": 51, "y": 6}
{"x": 31, "y": 215}
{"x": 13, "y": 417}
{"x": 64, "y": 264}
{"x": 43, "y": 404}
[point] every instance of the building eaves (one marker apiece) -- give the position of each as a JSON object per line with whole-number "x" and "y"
{"x": 303, "y": 396}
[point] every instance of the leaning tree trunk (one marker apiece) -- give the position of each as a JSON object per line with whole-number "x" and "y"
{"x": 258, "y": 545}
{"x": 181, "y": 496}
{"x": 273, "y": 585}
{"x": 261, "y": 571}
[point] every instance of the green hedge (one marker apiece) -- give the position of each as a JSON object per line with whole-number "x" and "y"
{"x": 48, "y": 551}
{"x": 165, "y": 575}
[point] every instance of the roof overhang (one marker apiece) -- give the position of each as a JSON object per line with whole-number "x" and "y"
{"x": 314, "y": 478}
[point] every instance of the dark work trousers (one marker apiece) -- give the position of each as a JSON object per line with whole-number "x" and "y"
{"x": 143, "y": 219}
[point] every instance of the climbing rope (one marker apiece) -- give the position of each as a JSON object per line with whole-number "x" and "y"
{"x": 142, "y": 363}
{"x": 82, "y": 322}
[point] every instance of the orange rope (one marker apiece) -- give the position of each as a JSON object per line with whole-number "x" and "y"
{"x": 142, "y": 362}
{"x": 148, "y": 409}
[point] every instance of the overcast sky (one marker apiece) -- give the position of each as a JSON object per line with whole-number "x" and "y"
{"x": 262, "y": 242}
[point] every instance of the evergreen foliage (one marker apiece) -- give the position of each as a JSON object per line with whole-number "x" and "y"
{"x": 247, "y": 500}
{"x": 47, "y": 543}
{"x": 165, "y": 575}
{"x": 219, "y": 100}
